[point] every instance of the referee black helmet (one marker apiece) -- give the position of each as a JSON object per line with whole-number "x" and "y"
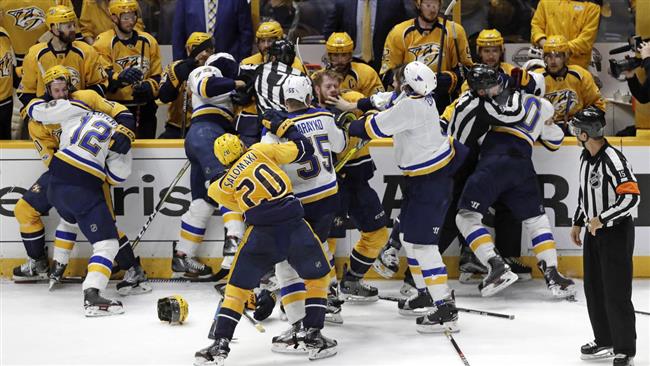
{"x": 283, "y": 51}
{"x": 481, "y": 77}
{"x": 590, "y": 120}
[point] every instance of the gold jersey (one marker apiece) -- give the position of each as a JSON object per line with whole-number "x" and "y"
{"x": 363, "y": 79}
{"x": 407, "y": 42}
{"x": 7, "y": 62}
{"x": 96, "y": 18}
{"x": 79, "y": 58}
{"x": 24, "y": 21}
{"x": 141, "y": 51}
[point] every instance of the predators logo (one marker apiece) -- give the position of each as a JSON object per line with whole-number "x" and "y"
{"x": 426, "y": 53}
{"x": 6, "y": 64}
{"x": 565, "y": 103}
{"x": 75, "y": 77}
{"x": 28, "y": 18}
{"x": 133, "y": 61}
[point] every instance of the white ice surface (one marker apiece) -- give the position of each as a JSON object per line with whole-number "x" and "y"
{"x": 41, "y": 327}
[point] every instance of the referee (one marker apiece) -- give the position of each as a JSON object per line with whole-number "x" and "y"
{"x": 608, "y": 193}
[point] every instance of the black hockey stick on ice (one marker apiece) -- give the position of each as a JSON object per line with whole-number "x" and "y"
{"x": 465, "y": 310}
{"x": 453, "y": 343}
{"x": 256, "y": 324}
{"x": 180, "y": 174}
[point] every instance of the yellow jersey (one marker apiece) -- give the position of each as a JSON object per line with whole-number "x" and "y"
{"x": 79, "y": 58}
{"x": 363, "y": 79}
{"x": 96, "y": 18}
{"x": 175, "y": 107}
{"x": 7, "y": 63}
{"x": 141, "y": 51}
{"x": 407, "y": 42}
{"x": 24, "y": 21}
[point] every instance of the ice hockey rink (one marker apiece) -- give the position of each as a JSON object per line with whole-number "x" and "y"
{"x": 41, "y": 327}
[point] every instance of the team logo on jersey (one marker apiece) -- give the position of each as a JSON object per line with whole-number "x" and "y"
{"x": 134, "y": 61}
{"x": 595, "y": 179}
{"x": 28, "y": 18}
{"x": 36, "y": 188}
{"x": 425, "y": 53}
{"x": 564, "y": 102}
{"x": 93, "y": 228}
{"x": 6, "y": 62}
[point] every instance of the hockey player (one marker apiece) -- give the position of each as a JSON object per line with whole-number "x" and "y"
{"x": 314, "y": 184}
{"x": 570, "y": 88}
{"x": 505, "y": 172}
{"x": 45, "y": 130}
{"x": 276, "y": 233}
{"x": 86, "y": 69}
{"x": 356, "y": 76}
{"x": 419, "y": 40}
{"x": 173, "y": 88}
{"x": 212, "y": 116}
{"x": 133, "y": 66}
{"x": 427, "y": 159}
{"x": 7, "y": 78}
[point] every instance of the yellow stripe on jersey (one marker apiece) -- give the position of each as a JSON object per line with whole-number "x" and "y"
{"x": 80, "y": 165}
{"x": 437, "y": 280}
{"x": 207, "y": 109}
{"x": 515, "y": 132}
{"x": 319, "y": 196}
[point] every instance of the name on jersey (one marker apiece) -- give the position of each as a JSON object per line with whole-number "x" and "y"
{"x": 236, "y": 170}
{"x": 309, "y": 126}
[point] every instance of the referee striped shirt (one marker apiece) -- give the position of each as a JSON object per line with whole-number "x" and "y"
{"x": 608, "y": 187}
{"x": 268, "y": 85}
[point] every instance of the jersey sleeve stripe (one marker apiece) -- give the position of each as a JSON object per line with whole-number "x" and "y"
{"x": 372, "y": 129}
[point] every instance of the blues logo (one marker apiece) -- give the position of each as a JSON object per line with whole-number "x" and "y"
{"x": 28, "y": 18}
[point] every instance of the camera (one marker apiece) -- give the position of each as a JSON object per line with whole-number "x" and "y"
{"x": 627, "y": 64}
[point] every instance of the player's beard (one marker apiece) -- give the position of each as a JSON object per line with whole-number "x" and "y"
{"x": 68, "y": 37}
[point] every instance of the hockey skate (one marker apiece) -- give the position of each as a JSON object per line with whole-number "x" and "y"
{"x": 523, "y": 272}
{"x": 471, "y": 270}
{"x": 291, "y": 340}
{"x": 96, "y": 305}
{"x": 354, "y": 289}
{"x": 592, "y": 351}
{"x": 387, "y": 263}
{"x": 560, "y": 286}
{"x": 135, "y": 282}
{"x": 623, "y": 360}
{"x": 499, "y": 277}
{"x": 442, "y": 318}
{"x": 408, "y": 286}
{"x": 334, "y": 306}
{"x": 230, "y": 245}
{"x": 32, "y": 270}
{"x": 56, "y": 274}
{"x": 186, "y": 267}
{"x": 416, "y": 305}
{"x": 214, "y": 354}
{"x": 318, "y": 345}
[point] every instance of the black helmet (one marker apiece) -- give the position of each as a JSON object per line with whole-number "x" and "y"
{"x": 482, "y": 76}
{"x": 590, "y": 120}
{"x": 283, "y": 51}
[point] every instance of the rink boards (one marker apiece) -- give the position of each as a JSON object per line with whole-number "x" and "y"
{"x": 157, "y": 162}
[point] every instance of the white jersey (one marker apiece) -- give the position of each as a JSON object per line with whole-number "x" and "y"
{"x": 203, "y": 104}
{"x": 85, "y": 139}
{"x": 314, "y": 179}
{"x": 420, "y": 145}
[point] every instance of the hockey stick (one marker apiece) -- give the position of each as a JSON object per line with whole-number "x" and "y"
{"x": 465, "y": 310}
{"x": 350, "y": 154}
{"x": 443, "y": 33}
{"x": 453, "y": 343}
{"x": 180, "y": 174}
{"x": 137, "y": 108}
{"x": 304, "y": 68}
{"x": 184, "y": 119}
{"x": 255, "y": 323}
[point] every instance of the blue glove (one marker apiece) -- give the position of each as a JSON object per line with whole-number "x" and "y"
{"x": 264, "y": 305}
{"x": 130, "y": 76}
{"x": 121, "y": 140}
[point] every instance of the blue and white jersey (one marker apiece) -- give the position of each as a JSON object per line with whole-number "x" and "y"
{"x": 211, "y": 93}
{"x": 413, "y": 122}
{"x": 314, "y": 179}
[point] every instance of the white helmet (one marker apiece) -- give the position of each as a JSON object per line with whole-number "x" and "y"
{"x": 420, "y": 78}
{"x": 225, "y": 62}
{"x": 297, "y": 87}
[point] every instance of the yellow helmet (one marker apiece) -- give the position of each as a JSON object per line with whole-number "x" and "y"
{"x": 56, "y": 72}
{"x": 228, "y": 148}
{"x": 59, "y": 14}
{"x": 270, "y": 29}
{"x": 173, "y": 309}
{"x": 339, "y": 43}
{"x": 117, "y": 7}
{"x": 556, "y": 43}
{"x": 489, "y": 38}
{"x": 196, "y": 39}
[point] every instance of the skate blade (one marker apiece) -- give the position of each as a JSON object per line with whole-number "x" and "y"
{"x": 358, "y": 299}
{"x": 415, "y": 312}
{"x": 30, "y": 279}
{"x": 382, "y": 270}
{"x": 451, "y": 327}
{"x": 334, "y": 319}
{"x": 568, "y": 293}
{"x": 139, "y": 289}
{"x": 97, "y": 311}
{"x": 316, "y": 354}
{"x": 606, "y": 353}
{"x": 289, "y": 349}
{"x": 522, "y": 277}
{"x": 507, "y": 279}
{"x": 53, "y": 285}
{"x": 200, "y": 361}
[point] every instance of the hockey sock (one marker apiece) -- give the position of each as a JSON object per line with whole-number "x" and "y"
{"x": 32, "y": 230}
{"x": 233, "y": 222}
{"x": 433, "y": 269}
{"x": 477, "y": 237}
{"x": 292, "y": 291}
{"x": 331, "y": 245}
{"x": 414, "y": 265}
{"x": 539, "y": 229}
{"x": 64, "y": 240}
{"x": 229, "y": 313}
{"x": 366, "y": 250}
{"x": 100, "y": 264}
{"x": 315, "y": 303}
{"x": 125, "y": 257}
{"x": 193, "y": 224}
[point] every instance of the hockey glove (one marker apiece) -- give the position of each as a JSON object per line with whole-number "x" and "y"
{"x": 520, "y": 78}
{"x": 122, "y": 139}
{"x": 183, "y": 69}
{"x": 264, "y": 304}
{"x": 130, "y": 76}
{"x": 276, "y": 122}
{"x": 142, "y": 92}
{"x": 344, "y": 119}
